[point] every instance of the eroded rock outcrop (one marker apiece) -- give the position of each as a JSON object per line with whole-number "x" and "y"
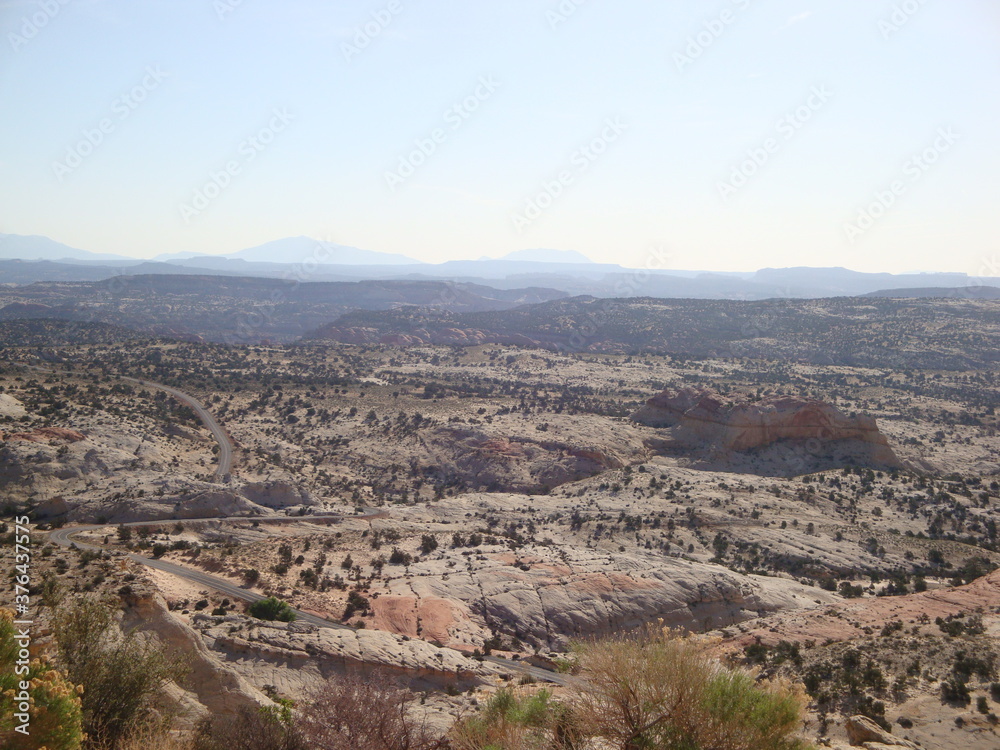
{"x": 863, "y": 732}
{"x": 50, "y": 435}
{"x": 208, "y": 687}
{"x": 515, "y": 462}
{"x": 546, "y": 595}
{"x": 297, "y": 656}
{"x": 700, "y": 418}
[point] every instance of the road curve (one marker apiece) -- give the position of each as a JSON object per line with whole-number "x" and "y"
{"x": 64, "y": 537}
{"x": 226, "y": 446}
{"x": 220, "y": 435}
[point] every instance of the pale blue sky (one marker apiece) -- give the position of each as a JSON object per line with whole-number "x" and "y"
{"x": 552, "y": 86}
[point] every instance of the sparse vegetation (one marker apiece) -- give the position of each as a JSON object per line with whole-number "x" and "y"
{"x": 271, "y": 608}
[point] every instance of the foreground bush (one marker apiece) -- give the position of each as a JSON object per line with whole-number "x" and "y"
{"x": 55, "y": 718}
{"x": 364, "y": 713}
{"x": 121, "y": 676}
{"x": 518, "y": 722}
{"x": 663, "y": 691}
{"x": 250, "y": 729}
{"x": 346, "y": 713}
{"x": 659, "y": 691}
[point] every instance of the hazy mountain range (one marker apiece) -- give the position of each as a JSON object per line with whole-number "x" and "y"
{"x": 30, "y": 259}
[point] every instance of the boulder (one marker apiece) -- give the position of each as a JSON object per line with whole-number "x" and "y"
{"x": 863, "y": 732}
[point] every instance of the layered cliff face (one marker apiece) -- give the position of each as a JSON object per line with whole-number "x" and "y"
{"x": 700, "y": 418}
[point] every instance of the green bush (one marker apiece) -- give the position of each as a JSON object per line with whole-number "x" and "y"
{"x": 121, "y": 675}
{"x": 56, "y": 720}
{"x": 272, "y": 608}
{"x": 517, "y": 722}
{"x": 655, "y": 692}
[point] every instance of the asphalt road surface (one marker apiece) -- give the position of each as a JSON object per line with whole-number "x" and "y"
{"x": 64, "y": 537}
{"x": 220, "y": 435}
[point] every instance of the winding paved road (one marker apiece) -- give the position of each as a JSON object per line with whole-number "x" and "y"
{"x": 226, "y": 446}
{"x": 64, "y": 537}
{"x": 218, "y": 432}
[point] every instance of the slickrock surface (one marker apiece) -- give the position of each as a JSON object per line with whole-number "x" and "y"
{"x": 293, "y": 657}
{"x": 515, "y": 457}
{"x": 546, "y": 596}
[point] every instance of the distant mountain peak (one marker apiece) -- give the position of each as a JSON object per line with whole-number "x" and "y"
{"x": 38, "y": 247}
{"x": 304, "y": 249}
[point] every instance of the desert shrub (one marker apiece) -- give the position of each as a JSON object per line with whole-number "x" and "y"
{"x": 518, "y": 722}
{"x": 954, "y": 690}
{"x": 850, "y": 591}
{"x": 55, "y": 716}
{"x": 962, "y": 624}
{"x": 120, "y": 674}
{"x": 428, "y": 543}
{"x": 663, "y": 691}
{"x": 156, "y": 738}
{"x": 398, "y": 557}
{"x": 744, "y": 714}
{"x": 271, "y": 608}
{"x": 355, "y": 602}
{"x": 354, "y": 713}
{"x": 267, "y": 728}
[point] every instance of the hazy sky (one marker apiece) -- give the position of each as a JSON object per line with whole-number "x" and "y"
{"x": 722, "y": 135}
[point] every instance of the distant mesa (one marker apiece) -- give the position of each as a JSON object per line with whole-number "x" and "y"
{"x": 783, "y": 435}
{"x": 543, "y": 255}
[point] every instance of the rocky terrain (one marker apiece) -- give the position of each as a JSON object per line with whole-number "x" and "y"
{"x": 449, "y": 502}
